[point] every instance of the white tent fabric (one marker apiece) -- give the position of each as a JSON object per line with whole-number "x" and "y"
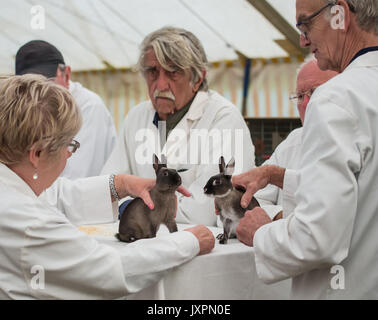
{"x": 95, "y": 34}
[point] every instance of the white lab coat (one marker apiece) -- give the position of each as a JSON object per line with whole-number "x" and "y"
{"x": 97, "y": 135}
{"x": 44, "y": 256}
{"x": 286, "y": 155}
{"x": 335, "y": 221}
{"x": 209, "y": 112}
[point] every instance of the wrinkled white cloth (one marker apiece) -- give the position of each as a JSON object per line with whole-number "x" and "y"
{"x": 335, "y": 221}
{"x": 97, "y": 135}
{"x": 43, "y": 255}
{"x": 286, "y": 155}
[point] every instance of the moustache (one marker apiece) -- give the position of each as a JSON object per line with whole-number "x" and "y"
{"x": 164, "y": 94}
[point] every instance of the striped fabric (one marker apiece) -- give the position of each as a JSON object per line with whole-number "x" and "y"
{"x": 271, "y": 83}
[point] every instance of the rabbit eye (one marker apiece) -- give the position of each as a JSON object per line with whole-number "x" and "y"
{"x": 165, "y": 174}
{"x": 216, "y": 182}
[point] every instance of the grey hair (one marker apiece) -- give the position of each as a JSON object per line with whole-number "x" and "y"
{"x": 366, "y": 12}
{"x": 177, "y": 46}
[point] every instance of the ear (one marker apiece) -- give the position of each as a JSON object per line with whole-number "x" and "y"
{"x": 67, "y": 76}
{"x": 199, "y": 82}
{"x": 230, "y": 167}
{"x": 155, "y": 163}
{"x": 163, "y": 161}
{"x": 34, "y": 157}
{"x": 221, "y": 164}
{"x": 341, "y": 16}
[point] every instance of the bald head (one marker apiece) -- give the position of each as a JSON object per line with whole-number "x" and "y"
{"x": 309, "y": 78}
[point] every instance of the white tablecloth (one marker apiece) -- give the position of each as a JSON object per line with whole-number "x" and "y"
{"x": 227, "y": 273}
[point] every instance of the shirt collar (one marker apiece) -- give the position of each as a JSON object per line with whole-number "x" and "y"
{"x": 14, "y": 181}
{"x": 362, "y": 52}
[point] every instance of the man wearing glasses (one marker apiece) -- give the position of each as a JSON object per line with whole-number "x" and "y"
{"x": 288, "y": 153}
{"x": 328, "y": 243}
{"x": 97, "y": 135}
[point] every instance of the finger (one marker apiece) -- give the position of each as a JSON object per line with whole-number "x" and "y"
{"x": 246, "y": 198}
{"x": 146, "y": 197}
{"x": 184, "y": 191}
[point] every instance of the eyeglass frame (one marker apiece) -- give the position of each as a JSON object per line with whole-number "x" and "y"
{"x": 308, "y": 93}
{"x": 312, "y": 16}
{"x": 75, "y": 145}
{"x": 62, "y": 67}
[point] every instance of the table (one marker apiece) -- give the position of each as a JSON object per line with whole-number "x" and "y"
{"x": 227, "y": 273}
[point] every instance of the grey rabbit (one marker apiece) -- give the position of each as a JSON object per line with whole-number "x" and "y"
{"x": 227, "y": 199}
{"x": 138, "y": 221}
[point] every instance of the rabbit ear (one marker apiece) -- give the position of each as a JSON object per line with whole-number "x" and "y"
{"x": 230, "y": 167}
{"x": 155, "y": 162}
{"x": 221, "y": 164}
{"x": 163, "y": 161}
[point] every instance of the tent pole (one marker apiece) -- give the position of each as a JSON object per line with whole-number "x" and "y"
{"x": 247, "y": 72}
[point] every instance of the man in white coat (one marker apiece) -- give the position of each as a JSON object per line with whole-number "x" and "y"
{"x": 97, "y": 136}
{"x": 329, "y": 242}
{"x": 191, "y": 125}
{"x": 288, "y": 152}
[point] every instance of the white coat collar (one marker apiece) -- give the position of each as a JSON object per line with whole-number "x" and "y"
{"x": 14, "y": 181}
{"x": 369, "y": 59}
{"x": 194, "y": 113}
{"x": 196, "y": 110}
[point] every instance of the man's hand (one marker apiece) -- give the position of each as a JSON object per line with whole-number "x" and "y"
{"x": 129, "y": 185}
{"x": 256, "y": 179}
{"x": 205, "y": 238}
{"x": 248, "y": 225}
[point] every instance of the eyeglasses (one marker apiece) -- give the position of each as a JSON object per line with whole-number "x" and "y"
{"x": 303, "y": 24}
{"x": 62, "y": 67}
{"x": 73, "y": 146}
{"x": 298, "y": 97}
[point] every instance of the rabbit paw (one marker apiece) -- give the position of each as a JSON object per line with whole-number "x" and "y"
{"x": 222, "y": 238}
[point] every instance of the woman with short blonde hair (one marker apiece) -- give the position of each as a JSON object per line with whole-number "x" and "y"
{"x": 39, "y": 212}
{"x": 38, "y": 115}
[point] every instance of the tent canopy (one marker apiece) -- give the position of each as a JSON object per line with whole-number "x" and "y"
{"x": 103, "y": 34}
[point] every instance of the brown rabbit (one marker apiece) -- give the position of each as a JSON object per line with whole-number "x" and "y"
{"x": 227, "y": 200}
{"x": 138, "y": 221}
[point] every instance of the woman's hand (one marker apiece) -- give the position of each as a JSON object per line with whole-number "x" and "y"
{"x": 129, "y": 185}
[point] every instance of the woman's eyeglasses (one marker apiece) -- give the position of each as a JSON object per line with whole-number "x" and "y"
{"x": 73, "y": 146}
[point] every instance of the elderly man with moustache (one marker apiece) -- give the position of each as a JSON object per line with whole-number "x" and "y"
{"x": 288, "y": 153}
{"x": 329, "y": 242}
{"x": 192, "y": 125}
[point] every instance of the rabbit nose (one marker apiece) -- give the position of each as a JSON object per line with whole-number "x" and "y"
{"x": 205, "y": 189}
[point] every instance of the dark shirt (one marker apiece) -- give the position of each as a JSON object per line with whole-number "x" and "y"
{"x": 172, "y": 119}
